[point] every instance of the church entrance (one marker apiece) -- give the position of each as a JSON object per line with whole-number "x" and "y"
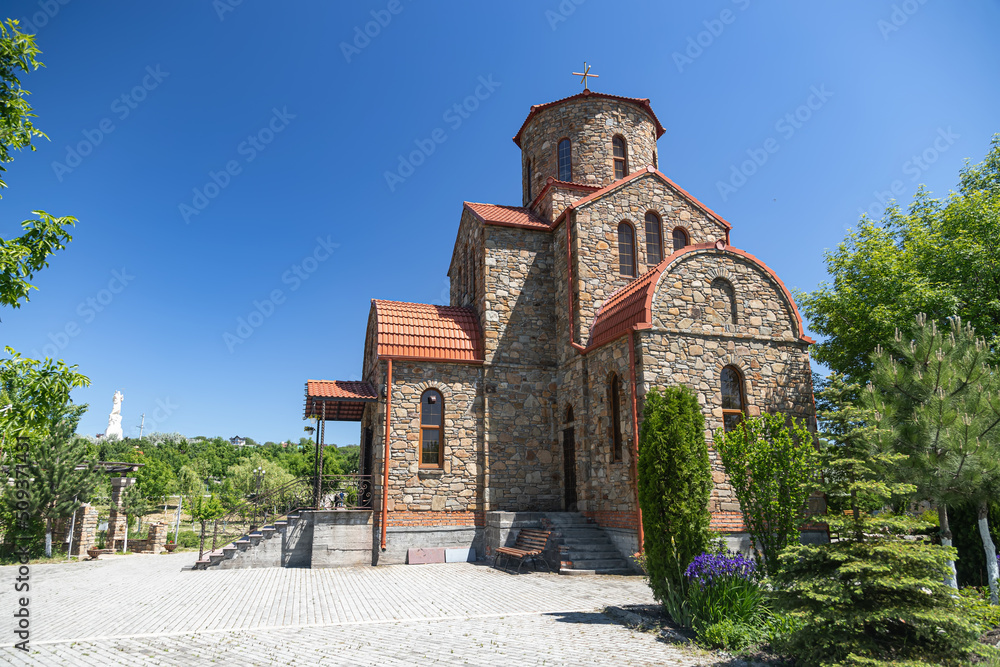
{"x": 569, "y": 472}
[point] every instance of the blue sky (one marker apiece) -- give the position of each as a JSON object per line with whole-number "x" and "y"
{"x": 218, "y": 155}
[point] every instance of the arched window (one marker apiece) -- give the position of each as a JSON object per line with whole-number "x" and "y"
{"x": 680, "y": 238}
{"x": 565, "y": 161}
{"x": 654, "y": 239}
{"x": 614, "y": 398}
{"x": 431, "y": 429}
{"x": 655, "y": 165}
{"x": 724, "y": 300}
{"x": 732, "y": 398}
{"x": 569, "y": 414}
{"x": 621, "y": 156}
{"x": 529, "y": 180}
{"x": 626, "y": 249}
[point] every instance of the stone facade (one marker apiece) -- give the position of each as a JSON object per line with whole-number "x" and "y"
{"x": 590, "y": 123}
{"x": 544, "y": 419}
{"x": 84, "y": 530}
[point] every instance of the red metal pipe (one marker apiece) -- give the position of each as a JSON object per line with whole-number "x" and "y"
{"x": 635, "y": 436}
{"x": 385, "y": 458}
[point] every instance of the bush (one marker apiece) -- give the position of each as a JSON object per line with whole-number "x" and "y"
{"x": 674, "y": 485}
{"x": 771, "y": 467}
{"x": 975, "y": 605}
{"x": 730, "y": 635}
{"x": 187, "y": 539}
{"x": 881, "y": 599}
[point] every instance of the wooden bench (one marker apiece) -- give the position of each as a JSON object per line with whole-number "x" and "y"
{"x": 530, "y": 543}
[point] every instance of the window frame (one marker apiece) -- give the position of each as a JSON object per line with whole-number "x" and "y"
{"x": 673, "y": 240}
{"x": 741, "y": 395}
{"x": 439, "y": 428}
{"x": 635, "y": 250}
{"x": 658, "y": 222}
{"x": 569, "y": 151}
{"x": 623, "y": 160}
{"x": 614, "y": 400}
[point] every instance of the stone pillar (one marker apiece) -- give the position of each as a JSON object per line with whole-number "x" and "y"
{"x": 116, "y": 519}
{"x": 157, "y": 537}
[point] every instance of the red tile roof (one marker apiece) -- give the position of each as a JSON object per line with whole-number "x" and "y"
{"x": 641, "y": 102}
{"x": 426, "y": 331}
{"x": 338, "y": 400}
{"x": 636, "y": 174}
{"x": 508, "y": 216}
{"x": 631, "y": 306}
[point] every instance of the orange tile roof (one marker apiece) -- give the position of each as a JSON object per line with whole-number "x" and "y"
{"x": 631, "y": 306}
{"x": 641, "y": 102}
{"x": 338, "y": 400}
{"x": 509, "y": 216}
{"x": 426, "y": 331}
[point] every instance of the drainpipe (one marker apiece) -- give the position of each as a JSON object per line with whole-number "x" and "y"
{"x": 569, "y": 286}
{"x": 385, "y": 458}
{"x": 635, "y": 436}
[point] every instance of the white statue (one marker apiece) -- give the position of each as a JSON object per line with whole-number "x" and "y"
{"x": 114, "y": 430}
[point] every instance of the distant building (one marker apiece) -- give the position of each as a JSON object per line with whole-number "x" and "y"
{"x": 238, "y": 441}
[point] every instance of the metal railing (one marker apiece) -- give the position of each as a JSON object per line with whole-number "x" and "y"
{"x": 347, "y": 492}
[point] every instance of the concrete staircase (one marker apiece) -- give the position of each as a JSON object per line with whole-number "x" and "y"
{"x": 583, "y": 546}
{"x": 249, "y": 547}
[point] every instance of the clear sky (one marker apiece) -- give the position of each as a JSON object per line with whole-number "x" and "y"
{"x": 219, "y": 154}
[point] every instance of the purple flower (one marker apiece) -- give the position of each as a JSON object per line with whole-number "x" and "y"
{"x": 709, "y": 568}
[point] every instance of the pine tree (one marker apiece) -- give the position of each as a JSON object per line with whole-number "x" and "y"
{"x": 938, "y": 401}
{"x": 61, "y": 477}
{"x": 675, "y": 481}
{"x": 874, "y": 594}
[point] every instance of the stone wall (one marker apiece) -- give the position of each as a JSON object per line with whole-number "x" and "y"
{"x": 517, "y": 321}
{"x": 84, "y": 530}
{"x": 590, "y": 123}
{"x": 690, "y": 344}
{"x": 465, "y": 274}
{"x": 596, "y": 254}
{"x": 156, "y": 537}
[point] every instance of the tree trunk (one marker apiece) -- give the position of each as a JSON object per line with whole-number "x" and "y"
{"x": 215, "y": 532}
{"x": 992, "y": 568}
{"x": 125, "y": 543}
{"x": 48, "y": 538}
{"x": 950, "y": 575}
{"x": 201, "y": 548}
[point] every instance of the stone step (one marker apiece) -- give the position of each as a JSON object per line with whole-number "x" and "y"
{"x": 582, "y": 536}
{"x": 598, "y": 564}
{"x": 589, "y": 546}
{"x": 570, "y": 520}
{"x": 573, "y": 572}
{"x": 589, "y": 555}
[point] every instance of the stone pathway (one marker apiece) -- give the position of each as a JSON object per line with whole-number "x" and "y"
{"x": 148, "y": 610}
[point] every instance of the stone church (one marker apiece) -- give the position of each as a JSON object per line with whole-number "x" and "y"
{"x": 525, "y": 394}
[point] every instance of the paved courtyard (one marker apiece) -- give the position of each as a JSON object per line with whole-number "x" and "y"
{"x": 148, "y": 610}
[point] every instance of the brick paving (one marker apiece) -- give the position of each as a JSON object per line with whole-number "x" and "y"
{"x": 149, "y": 610}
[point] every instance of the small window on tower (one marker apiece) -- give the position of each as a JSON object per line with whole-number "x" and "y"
{"x": 621, "y": 157}
{"x": 529, "y": 180}
{"x": 565, "y": 161}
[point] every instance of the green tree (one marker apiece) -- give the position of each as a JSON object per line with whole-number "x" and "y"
{"x": 59, "y": 477}
{"x": 33, "y": 388}
{"x": 875, "y": 594}
{"x": 204, "y": 510}
{"x": 675, "y": 481}
{"x": 772, "y": 467}
{"x": 940, "y": 258}
{"x": 937, "y": 400}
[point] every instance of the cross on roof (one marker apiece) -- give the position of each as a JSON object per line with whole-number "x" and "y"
{"x": 584, "y": 74}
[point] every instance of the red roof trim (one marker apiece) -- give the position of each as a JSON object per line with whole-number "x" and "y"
{"x": 506, "y": 216}
{"x": 631, "y": 307}
{"x": 634, "y": 175}
{"x": 641, "y": 102}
